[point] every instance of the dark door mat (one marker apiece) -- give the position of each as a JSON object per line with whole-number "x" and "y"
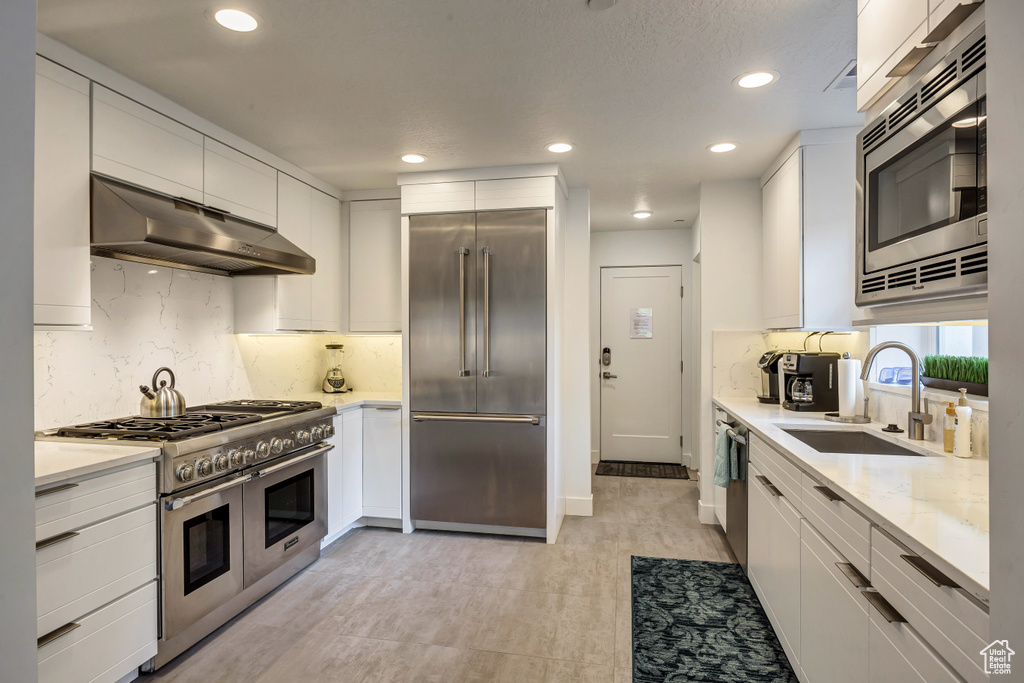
{"x": 701, "y": 621}
{"x": 653, "y": 470}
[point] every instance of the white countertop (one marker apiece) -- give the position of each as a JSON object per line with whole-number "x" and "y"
{"x": 353, "y": 399}
{"x": 56, "y": 462}
{"x": 937, "y": 506}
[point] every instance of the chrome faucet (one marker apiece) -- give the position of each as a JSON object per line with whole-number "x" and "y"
{"x": 916, "y": 420}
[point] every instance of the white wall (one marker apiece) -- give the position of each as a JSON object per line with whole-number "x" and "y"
{"x": 730, "y": 253}
{"x": 576, "y": 416}
{"x": 17, "y": 509}
{"x": 1006, "y": 319}
{"x": 636, "y": 248}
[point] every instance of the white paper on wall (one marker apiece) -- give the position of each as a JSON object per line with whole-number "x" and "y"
{"x": 641, "y": 323}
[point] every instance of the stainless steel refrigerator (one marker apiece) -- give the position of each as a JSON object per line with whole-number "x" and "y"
{"x": 477, "y": 365}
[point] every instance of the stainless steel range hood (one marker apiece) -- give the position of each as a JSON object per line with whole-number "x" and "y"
{"x": 139, "y": 225}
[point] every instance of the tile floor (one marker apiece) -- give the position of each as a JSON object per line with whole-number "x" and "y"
{"x": 435, "y": 606}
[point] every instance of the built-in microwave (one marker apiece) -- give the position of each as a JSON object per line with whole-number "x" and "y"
{"x": 922, "y": 187}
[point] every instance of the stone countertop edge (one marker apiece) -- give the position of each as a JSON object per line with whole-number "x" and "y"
{"x": 887, "y": 489}
{"x": 59, "y": 462}
{"x": 353, "y": 399}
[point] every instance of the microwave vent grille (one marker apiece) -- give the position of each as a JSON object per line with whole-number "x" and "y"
{"x": 940, "y": 270}
{"x": 901, "y": 113}
{"x": 974, "y": 263}
{"x": 873, "y": 284}
{"x": 874, "y": 135}
{"x": 903, "y": 278}
{"x": 936, "y": 85}
{"x": 972, "y": 55}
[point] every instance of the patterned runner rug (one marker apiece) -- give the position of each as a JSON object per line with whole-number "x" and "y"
{"x": 701, "y": 621}
{"x": 653, "y": 470}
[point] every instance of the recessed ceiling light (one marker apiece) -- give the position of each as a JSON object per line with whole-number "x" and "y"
{"x": 722, "y": 147}
{"x": 755, "y": 79}
{"x": 236, "y": 20}
{"x": 413, "y": 158}
{"x": 969, "y": 122}
{"x": 559, "y": 147}
{"x": 642, "y": 214}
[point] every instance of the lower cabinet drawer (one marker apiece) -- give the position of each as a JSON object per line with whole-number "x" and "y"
{"x": 75, "y": 574}
{"x": 839, "y": 523}
{"x": 65, "y": 507}
{"x": 104, "y": 646}
{"x": 952, "y": 623}
{"x": 898, "y": 654}
{"x": 782, "y": 473}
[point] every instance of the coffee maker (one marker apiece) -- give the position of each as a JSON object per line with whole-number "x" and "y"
{"x": 810, "y": 381}
{"x": 769, "y": 366}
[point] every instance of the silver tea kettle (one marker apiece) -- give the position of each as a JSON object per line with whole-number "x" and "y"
{"x": 165, "y": 401}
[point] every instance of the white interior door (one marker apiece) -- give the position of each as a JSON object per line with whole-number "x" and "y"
{"x": 641, "y": 387}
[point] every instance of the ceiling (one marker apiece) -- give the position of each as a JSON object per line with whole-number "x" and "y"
{"x": 343, "y": 88}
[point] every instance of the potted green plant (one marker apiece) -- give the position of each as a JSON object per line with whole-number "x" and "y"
{"x": 955, "y": 373}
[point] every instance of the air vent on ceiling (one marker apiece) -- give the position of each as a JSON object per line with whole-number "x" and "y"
{"x": 975, "y": 263}
{"x": 872, "y": 284}
{"x": 940, "y": 270}
{"x": 972, "y": 55}
{"x": 846, "y": 79}
{"x": 902, "y": 112}
{"x": 874, "y": 135}
{"x": 939, "y": 83}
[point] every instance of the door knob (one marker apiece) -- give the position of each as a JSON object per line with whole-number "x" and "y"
{"x": 608, "y": 375}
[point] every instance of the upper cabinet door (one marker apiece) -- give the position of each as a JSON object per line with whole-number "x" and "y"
{"x": 294, "y": 303}
{"x": 136, "y": 144}
{"x": 887, "y": 32}
{"x": 326, "y": 248}
{"x": 439, "y": 197}
{"x": 238, "y": 183}
{"x": 62, "y": 262}
{"x": 375, "y": 275}
{"x": 782, "y": 246}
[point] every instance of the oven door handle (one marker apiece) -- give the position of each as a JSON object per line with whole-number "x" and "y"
{"x": 282, "y": 465}
{"x": 178, "y": 503}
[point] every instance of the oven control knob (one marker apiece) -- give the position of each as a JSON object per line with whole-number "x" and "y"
{"x": 186, "y": 473}
{"x": 276, "y": 445}
{"x": 318, "y": 433}
{"x": 249, "y": 455}
{"x": 222, "y": 462}
{"x": 237, "y": 457}
{"x": 328, "y": 431}
{"x": 204, "y": 468}
{"x": 262, "y": 450}
{"x": 303, "y": 436}
{"x": 289, "y": 443}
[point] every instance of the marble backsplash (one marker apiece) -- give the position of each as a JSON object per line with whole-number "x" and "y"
{"x": 735, "y": 374}
{"x": 145, "y": 317}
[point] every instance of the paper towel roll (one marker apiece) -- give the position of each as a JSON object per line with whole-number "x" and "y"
{"x": 849, "y": 378}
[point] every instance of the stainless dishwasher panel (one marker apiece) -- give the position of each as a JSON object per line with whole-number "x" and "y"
{"x": 442, "y": 312}
{"x": 511, "y": 311}
{"x": 736, "y": 514}
{"x": 479, "y": 469}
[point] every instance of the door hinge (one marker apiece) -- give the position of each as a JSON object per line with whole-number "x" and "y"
{"x": 680, "y": 440}
{"x": 682, "y": 292}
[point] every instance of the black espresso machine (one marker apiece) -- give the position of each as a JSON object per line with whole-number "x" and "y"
{"x": 810, "y": 381}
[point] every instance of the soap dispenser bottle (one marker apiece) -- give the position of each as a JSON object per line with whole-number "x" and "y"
{"x": 962, "y": 438}
{"x": 949, "y": 427}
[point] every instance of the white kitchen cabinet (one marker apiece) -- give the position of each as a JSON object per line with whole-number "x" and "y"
{"x": 297, "y": 303}
{"x": 382, "y": 462}
{"x": 898, "y": 654}
{"x": 439, "y": 197}
{"x": 138, "y": 145}
{"x": 62, "y": 286}
{"x": 345, "y": 473}
{"x": 523, "y": 187}
{"x": 888, "y": 31}
{"x": 808, "y": 233}
{"x": 375, "y": 270}
{"x": 759, "y": 508}
{"x": 833, "y": 614}
{"x": 237, "y": 183}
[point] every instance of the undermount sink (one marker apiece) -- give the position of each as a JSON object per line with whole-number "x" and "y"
{"x": 835, "y": 441}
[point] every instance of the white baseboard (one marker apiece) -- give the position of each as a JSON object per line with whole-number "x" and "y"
{"x": 595, "y": 457}
{"x": 580, "y": 507}
{"x": 706, "y": 513}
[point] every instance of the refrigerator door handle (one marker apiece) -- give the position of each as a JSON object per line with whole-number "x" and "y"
{"x": 487, "y": 311}
{"x": 463, "y": 372}
{"x": 474, "y": 417}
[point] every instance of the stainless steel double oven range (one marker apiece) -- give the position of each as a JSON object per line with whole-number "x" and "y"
{"x": 243, "y": 505}
{"x": 922, "y": 187}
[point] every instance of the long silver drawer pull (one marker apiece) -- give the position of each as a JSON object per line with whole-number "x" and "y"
{"x": 55, "y": 634}
{"x": 55, "y": 489}
{"x": 282, "y": 465}
{"x": 887, "y": 611}
{"x": 929, "y": 572}
{"x": 828, "y": 493}
{"x": 487, "y": 311}
{"x": 463, "y": 372}
{"x": 472, "y": 417}
{"x": 387, "y": 407}
{"x": 769, "y": 485}
{"x": 855, "y": 577}
{"x": 178, "y": 503}
{"x": 54, "y": 540}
